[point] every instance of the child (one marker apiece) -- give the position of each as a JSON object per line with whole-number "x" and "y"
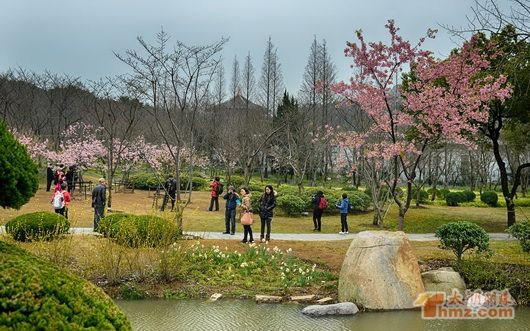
{"x": 343, "y": 206}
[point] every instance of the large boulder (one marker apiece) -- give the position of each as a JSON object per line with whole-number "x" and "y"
{"x": 343, "y": 308}
{"x": 380, "y": 271}
{"x": 443, "y": 280}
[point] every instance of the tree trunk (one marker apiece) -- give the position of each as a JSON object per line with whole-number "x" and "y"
{"x": 110, "y": 177}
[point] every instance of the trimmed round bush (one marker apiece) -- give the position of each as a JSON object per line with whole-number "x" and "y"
{"x": 291, "y": 204}
{"x": 470, "y": 196}
{"x": 144, "y": 180}
{"x": 36, "y": 295}
{"x": 454, "y": 198}
{"x": 521, "y": 231}
{"x": 139, "y": 230}
{"x": 37, "y": 226}
{"x": 461, "y": 237}
{"x": 489, "y": 197}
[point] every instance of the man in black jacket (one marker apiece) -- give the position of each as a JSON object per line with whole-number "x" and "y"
{"x": 170, "y": 191}
{"x": 230, "y": 213}
{"x": 49, "y": 177}
{"x": 99, "y": 200}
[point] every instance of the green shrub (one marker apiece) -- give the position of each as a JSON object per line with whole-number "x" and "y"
{"x": 144, "y": 181}
{"x": 424, "y": 196}
{"x": 36, "y": 295}
{"x": 236, "y": 181}
{"x": 349, "y": 188}
{"x": 489, "y": 197}
{"x": 443, "y": 193}
{"x": 454, "y": 198}
{"x": 139, "y": 230}
{"x": 199, "y": 184}
{"x": 254, "y": 200}
{"x": 436, "y": 192}
{"x": 19, "y": 175}
{"x": 37, "y": 226}
{"x": 359, "y": 201}
{"x": 521, "y": 231}
{"x": 470, "y": 196}
{"x": 253, "y": 186}
{"x": 498, "y": 276}
{"x": 291, "y": 204}
{"x": 461, "y": 237}
{"x": 287, "y": 190}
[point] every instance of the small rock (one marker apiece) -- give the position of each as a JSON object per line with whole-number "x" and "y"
{"x": 324, "y": 301}
{"x": 343, "y": 308}
{"x": 303, "y": 298}
{"x": 443, "y": 280}
{"x": 268, "y": 299}
{"x": 216, "y": 296}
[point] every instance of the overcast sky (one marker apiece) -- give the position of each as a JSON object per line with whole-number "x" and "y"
{"x": 78, "y": 37}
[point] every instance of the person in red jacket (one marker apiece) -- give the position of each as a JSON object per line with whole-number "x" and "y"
{"x": 61, "y": 200}
{"x": 214, "y": 187}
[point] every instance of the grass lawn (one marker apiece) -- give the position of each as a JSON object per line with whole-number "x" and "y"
{"x": 424, "y": 219}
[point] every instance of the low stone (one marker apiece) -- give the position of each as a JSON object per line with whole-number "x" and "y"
{"x": 268, "y": 299}
{"x": 303, "y": 298}
{"x": 324, "y": 301}
{"x": 443, "y": 280}
{"x": 216, "y": 296}
{"x": 343, "y": 308}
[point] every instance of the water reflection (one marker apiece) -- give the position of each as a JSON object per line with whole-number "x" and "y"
{"x": 247, "y": 315}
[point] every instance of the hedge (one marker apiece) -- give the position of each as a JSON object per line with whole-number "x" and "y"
{"x": 489, "y": 197}
{"x": 36, "y": 295}
{"x": 145, "y": 181}
{"x": 37, "y": 226}
{"x": 138, "y": 230}
{"x": 291, "y": 202}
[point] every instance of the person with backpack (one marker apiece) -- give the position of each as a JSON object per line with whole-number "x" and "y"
{"x": 61, "y": 200}
{"x": 267, "y": 202}
{"x": 216, "y": 189}
{"x": 170, "y": 189}
{"x": 99, "y": 200}
{"x": 231, "y": 198}
{"x": 319, "y": 204}
{"x": 344, "y": 206}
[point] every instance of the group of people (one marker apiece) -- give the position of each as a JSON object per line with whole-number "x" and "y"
{"x": 267, "y": 202}
{"x": 59, "y": 174}
{"x": 320, "y": 203}
{"x": 266, "y": 205}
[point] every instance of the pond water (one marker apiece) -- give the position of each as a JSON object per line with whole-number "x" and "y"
{"x": 231, "y": 314}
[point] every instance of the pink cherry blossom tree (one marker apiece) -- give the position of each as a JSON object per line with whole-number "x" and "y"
{"x": 439, "y": 101}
